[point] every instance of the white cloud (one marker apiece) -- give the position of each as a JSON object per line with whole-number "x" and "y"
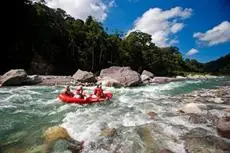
{"x": 217, "y": 35}
{"x": 112, "y": 3}
{"x": 177, "y": 27}
{"x": 161, "y": 24}
{"x": 192, "y": 52}
{"x": 81, "y": 9}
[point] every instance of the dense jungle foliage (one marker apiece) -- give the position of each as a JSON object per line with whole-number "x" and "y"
{"x": 48, "y": 41}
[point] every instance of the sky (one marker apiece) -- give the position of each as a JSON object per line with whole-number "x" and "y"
{"x": 200, "y": 29}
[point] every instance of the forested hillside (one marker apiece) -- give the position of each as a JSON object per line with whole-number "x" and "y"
{"x": 219, "y": 66}
{"x": 48, "y": 41}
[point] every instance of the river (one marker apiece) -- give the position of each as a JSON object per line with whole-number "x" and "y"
{"x": 27, "y": 111}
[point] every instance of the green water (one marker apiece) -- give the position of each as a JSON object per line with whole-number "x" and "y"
{"x": 27, "y": 111}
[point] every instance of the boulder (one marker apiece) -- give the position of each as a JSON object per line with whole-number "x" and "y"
{"x": 14, "y": 77}
{"x": 146, "y": 76}
{"x": 84, "y": 76}
{"x": 37, "y": 149}
{"x": 192, "y": 108}
{"x": 199, "y": 140}
{"x": 223, "y": 127}
{"x": 123, "y": 75}
{"x": 227, "y": 110}
{"x": 108, "y": 132}
{"x": 109, "y": 82}
{"x": 152, "y": 115}
{"x": 149, "y": 141}
{"x": 33, "y": 79}
{"x": 197, "y": 119}
{"x": 216, "y": 100}
{"x": 165, "y": 151}
{"x": 56, "y": 133}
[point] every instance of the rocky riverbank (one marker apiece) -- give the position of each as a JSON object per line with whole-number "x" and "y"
{"x": 113, "y": 76}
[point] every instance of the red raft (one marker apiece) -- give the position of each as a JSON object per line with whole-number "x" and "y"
{"x": 89, "y": 100}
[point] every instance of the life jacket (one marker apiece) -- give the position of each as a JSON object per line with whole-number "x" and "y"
{"x": 69, "y": 93}
{"x": 79, "y": 91}
{"x": 98, "y": 92}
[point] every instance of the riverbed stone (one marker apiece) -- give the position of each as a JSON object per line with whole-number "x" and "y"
{"x": 13, "y": 77}
{"x": 165, "y": 151}
{"x": 152, "y": 115}
{"x": 192, "y": 108}
{"x": 197, "y": 119}
{"x": 37, "y": 149}
{"x": 32, "y": 80}
{"x": 216, "y": 100}
{"x": 199, "y": 140}
{"x": 56, "y": 133}
{"x": 123, "y": 75}
{"x": 148, "y": 139}
{"x": 108, "y": 132}
{"x": 223, "y": 127}
{"x": 227, "y": 110}
{"x": 146, "y": 76}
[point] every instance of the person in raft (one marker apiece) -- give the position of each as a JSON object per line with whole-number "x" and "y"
{"x": 79, "y": 92}
{"x": 68, "y": 92}
{"x": 98, "y": 91}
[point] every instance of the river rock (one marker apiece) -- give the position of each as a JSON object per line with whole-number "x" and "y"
{"x": 13, "y": 77}
{"x": 37, "y": 149}
{"x": 123, "y": 75}
{"x": 149, "y": 141}
{"x": 199, "y": 140}
{"x": 216, "y": 100}
{"x": 146, "y": 76}
{"x": 165, "y": 151}
{"x": 109, "y": 82}
{"x": 33, "y": 79}
{"x": 227, "y": 110}
{"x": 223, "y": 127}
{"x": 197, "y": 119}
{"x": 53, "y": 134}
{"x": 152, "y": 115}
{"x": 84, "y": 76}
{"x": 192, "y": 108}
{"x": 108, "y": 132}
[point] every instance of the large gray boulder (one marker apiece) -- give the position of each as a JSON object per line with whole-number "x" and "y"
{"x": 33, "y": 79}
{"x": 223, "y": 127}
{"x": 14, "y": 77}
{"x": 146, "y": 76}
{"x": 199, "y": 140}
{"x": 108, "y": 82}
{"x": 84, "y": 76}
{"x": 193, "y": 108}
{"x": 121, "y": 75}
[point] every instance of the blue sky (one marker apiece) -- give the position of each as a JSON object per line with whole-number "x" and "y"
{"x": 200, "y": 29}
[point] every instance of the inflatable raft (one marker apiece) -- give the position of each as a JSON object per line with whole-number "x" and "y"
{"x": 89, "y": 100}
